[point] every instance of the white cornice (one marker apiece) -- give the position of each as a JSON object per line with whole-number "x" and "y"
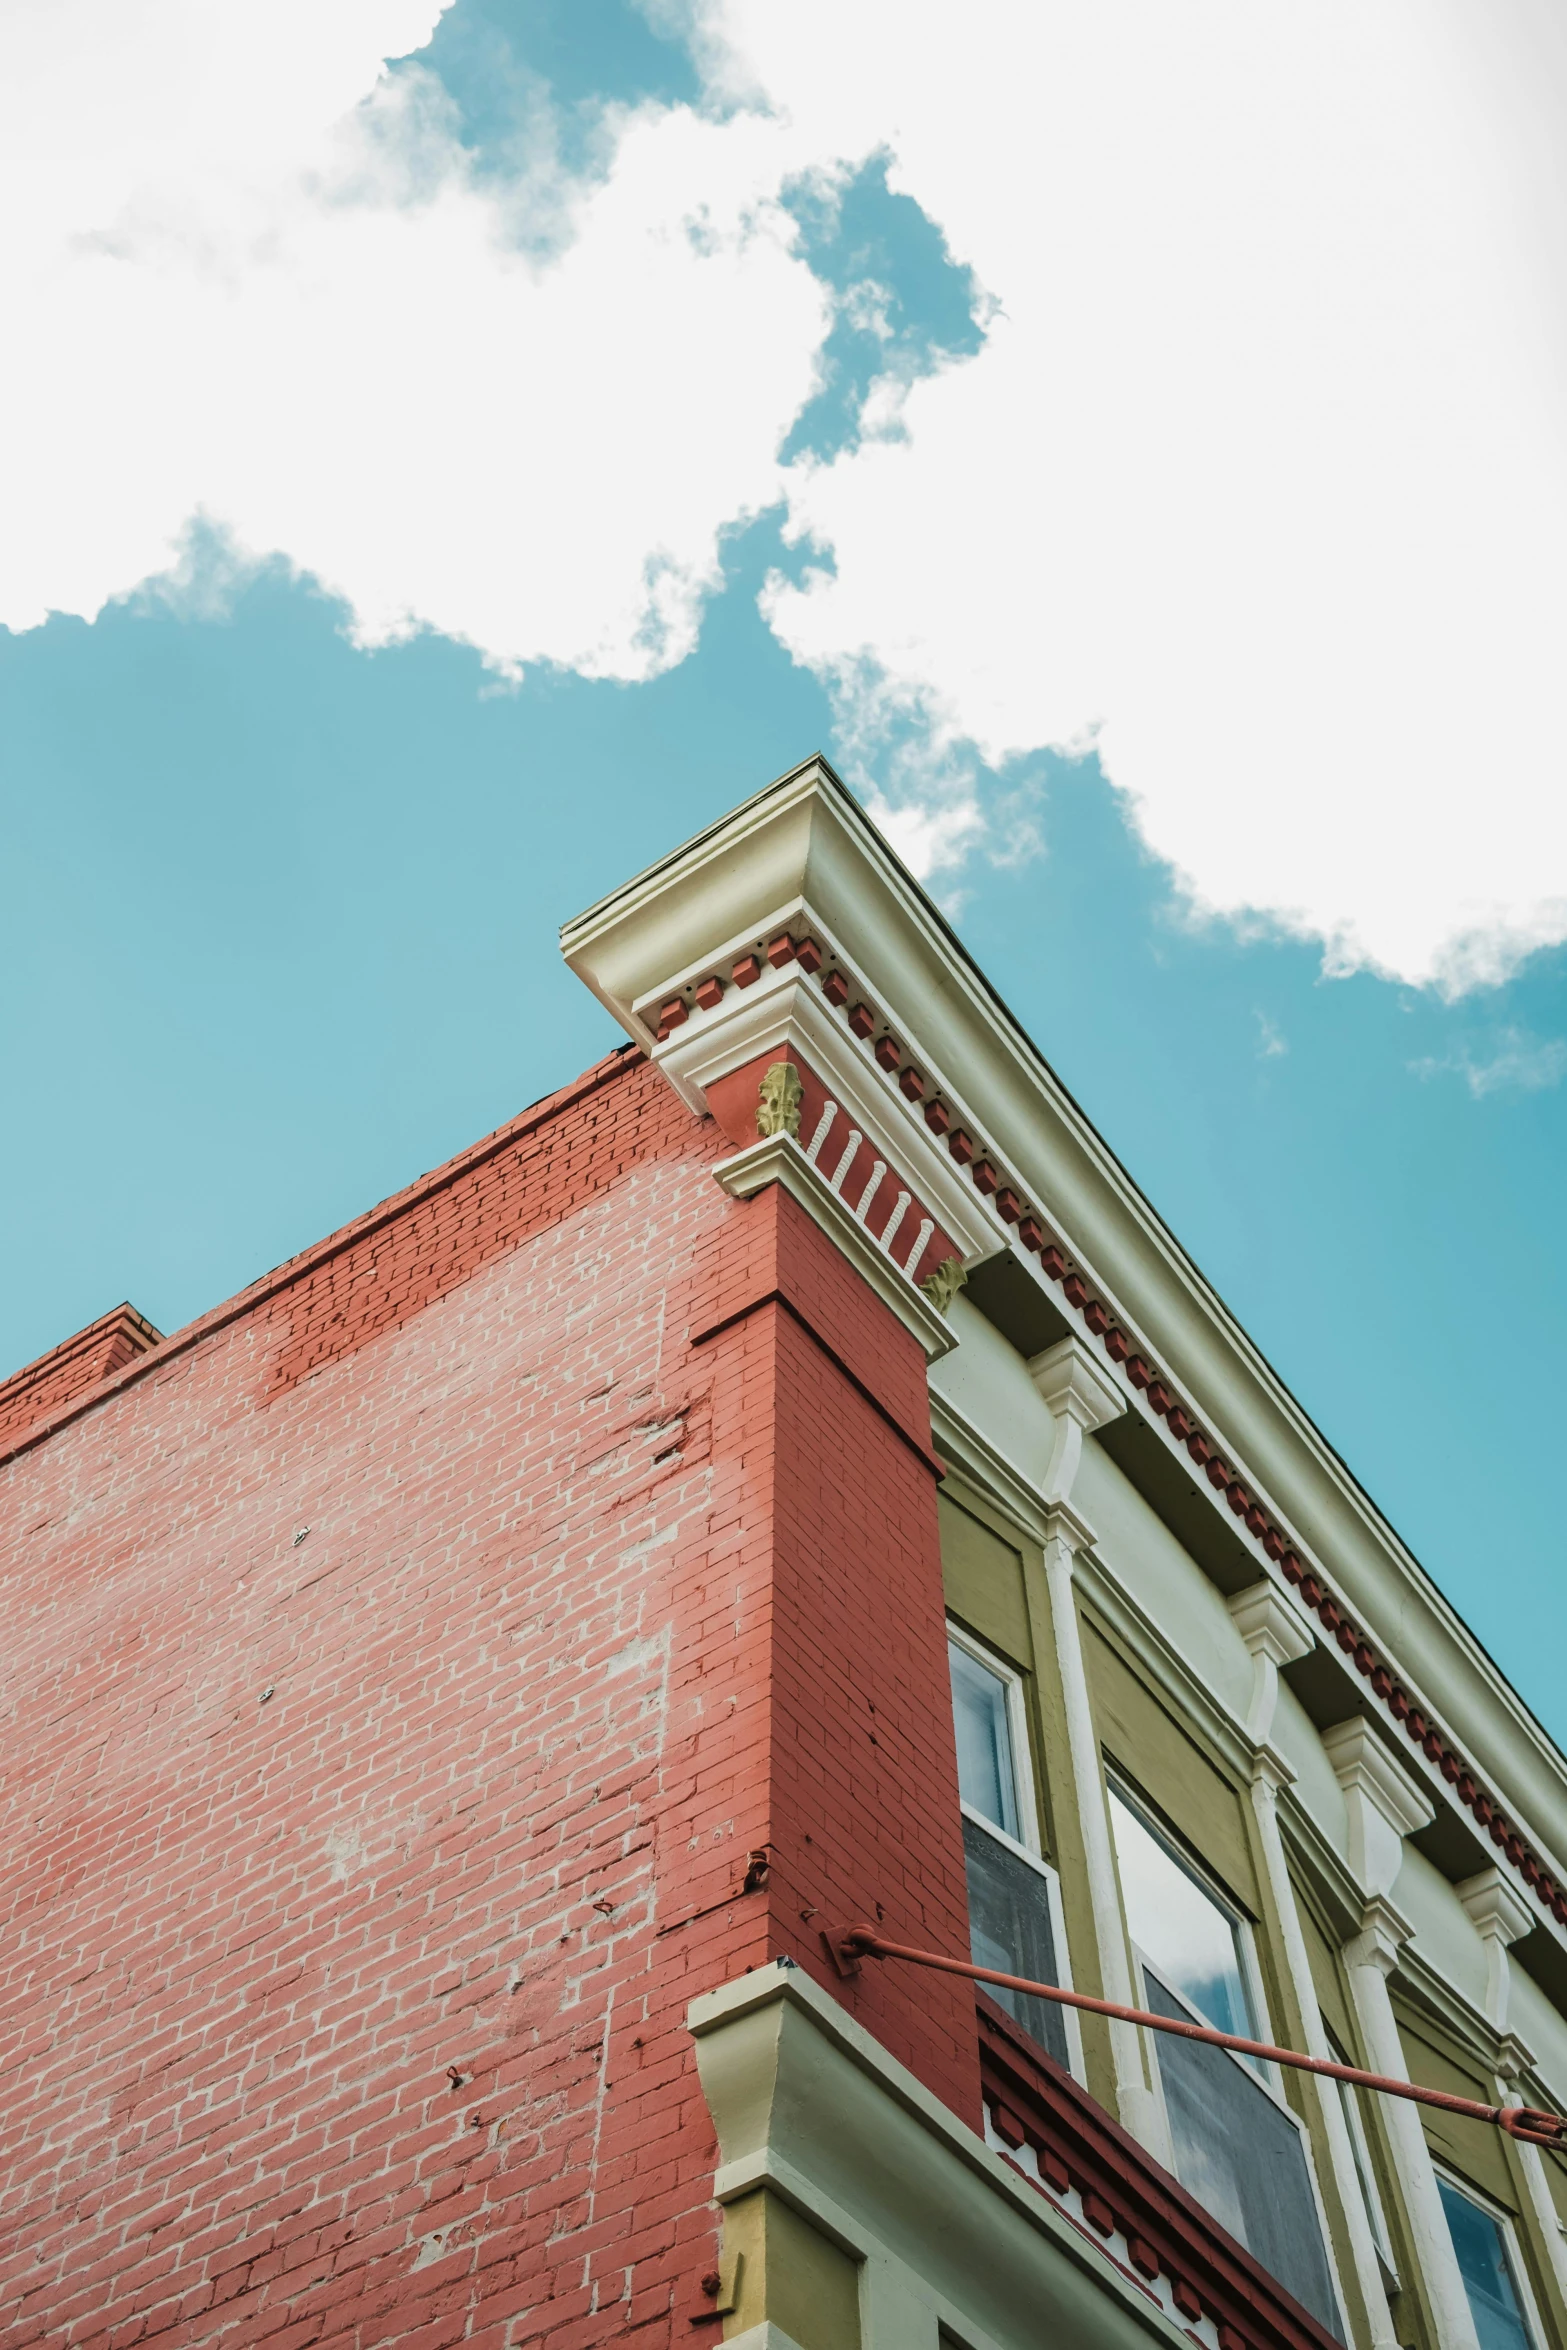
{"x": 723, "y": 885}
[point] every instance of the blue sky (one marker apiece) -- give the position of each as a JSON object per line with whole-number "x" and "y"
{"x": 284, "y": 882}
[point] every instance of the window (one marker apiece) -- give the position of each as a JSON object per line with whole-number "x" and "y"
{"x": 1192, "y": 1941}
{"x": 981, "y": 1710}
{"x": 1237, "y": 2146}
{"x": 1481, "y": 2239}
{"x": 1013, "y": 1924}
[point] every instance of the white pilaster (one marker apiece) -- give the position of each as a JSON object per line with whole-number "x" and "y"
{"x": 1384, "y": 1806}
{"x": 1501, "y": 1916}
{"x": 1513, "y": 2061}
{"x": 1081, "y": 1398}
{"x": 1277, "y": 1632}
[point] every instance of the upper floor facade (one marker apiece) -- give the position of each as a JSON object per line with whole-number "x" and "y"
{"x": 1224, "y": 1751}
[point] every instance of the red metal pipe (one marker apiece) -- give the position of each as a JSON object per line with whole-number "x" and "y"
{"x": 849, "y": 1944}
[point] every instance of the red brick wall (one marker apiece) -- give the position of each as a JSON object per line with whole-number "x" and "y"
{"x": 619, "y": 1524}
{"x": 815, "y": 1594}
{"x": 70, "y": 1369}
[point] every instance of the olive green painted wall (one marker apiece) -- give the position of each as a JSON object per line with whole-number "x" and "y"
{"x": 984, "y": 1583}
{"x": 1471, "y": 2149}
{"x": 790, "y": 2274}
{"x": 1157, "y": 1756}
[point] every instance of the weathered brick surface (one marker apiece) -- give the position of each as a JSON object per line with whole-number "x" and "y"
{"x": 821, "y": 1416}
{"x": 398, "y": 1676}
{"x": 70, "y": 1369}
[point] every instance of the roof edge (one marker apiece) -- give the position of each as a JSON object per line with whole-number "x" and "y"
{"x": 298, "y": 1267}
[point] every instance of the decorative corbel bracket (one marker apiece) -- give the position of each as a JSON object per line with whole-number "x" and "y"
{"x": 1080, "y": 1398}
{"x": 1384, "y": 1805}
{"x": 1500, "y": 1915}
{"x": 1276, "y": 1632}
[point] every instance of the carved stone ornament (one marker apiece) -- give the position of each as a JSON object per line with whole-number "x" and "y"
{"x": 942, "y": 1286}
{"x": 778, "y": 1107}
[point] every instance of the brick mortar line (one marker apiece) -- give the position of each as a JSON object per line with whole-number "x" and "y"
{"x": 310, "y": 1260}
{"x": 776, "y": 1297}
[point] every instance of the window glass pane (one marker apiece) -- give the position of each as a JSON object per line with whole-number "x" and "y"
{"x": 1244, "y": 2160}
{"x": 986, "y": 1778}
{"x": 1179, "y": 1926}
{"x": 1481, "y": 2246}
{"x": 1009, "y": 1929}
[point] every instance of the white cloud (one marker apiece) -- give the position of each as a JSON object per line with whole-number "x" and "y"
{"x": 256, "y": 282}
{"x": 1514, "y": 1062}
{"x": 1259, "y": 483}
{"x": 933, "y": 838}
{"x": 1262, "y": 476}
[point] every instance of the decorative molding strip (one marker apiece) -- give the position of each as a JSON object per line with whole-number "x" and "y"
{"x": 1068, "y": 2147}
{"x": 780, "y": 1012}
{"x": 778, "y": 1158}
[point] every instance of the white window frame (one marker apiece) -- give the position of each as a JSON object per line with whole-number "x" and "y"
{"x": 1028, "y": 1849}
{"x": 1365, "y": 2170}
{"x": 1508, "y": 2223}
{"x": 1017, "y": 1731}
{"x": 1259, "y": 2070}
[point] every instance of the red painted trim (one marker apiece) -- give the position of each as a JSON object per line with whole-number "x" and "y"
{"x": 1074, "y": 2134}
